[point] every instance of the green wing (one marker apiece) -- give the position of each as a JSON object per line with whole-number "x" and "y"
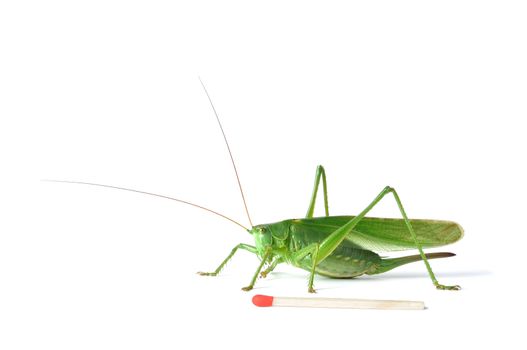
{"x": 383, "y": 234}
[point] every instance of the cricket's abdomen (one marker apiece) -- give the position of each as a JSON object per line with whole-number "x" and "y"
{"x": 347, "y": 262}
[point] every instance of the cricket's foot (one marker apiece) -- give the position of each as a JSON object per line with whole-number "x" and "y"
{"x": 207, "y": 273}
{"x": 248, "y": 288}
{"x": 443, "y": 287}
{"x": 264, "y": 274}
{"x": 311, "y": 290}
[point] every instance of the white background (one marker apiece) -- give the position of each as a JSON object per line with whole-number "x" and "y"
{"x": 427, "y": 97}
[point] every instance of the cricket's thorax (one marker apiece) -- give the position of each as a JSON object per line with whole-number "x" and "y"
{"x": 274, "y": 235}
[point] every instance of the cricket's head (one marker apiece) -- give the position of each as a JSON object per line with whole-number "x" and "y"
{"x": 274, "y": 235}
{"x": 262, "y": 236}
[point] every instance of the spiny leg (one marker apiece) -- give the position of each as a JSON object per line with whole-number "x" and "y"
{"x": 271, "y": 267}
{"x": 336, "y": 237}
{"x": 419, "y": 247}
{"x": 319, "y": 174}
{"x": 313, "y": 250}
{"x": 247, "y": 247}
{"x": 255, "y": 276}
{"x": 314, "y": 256}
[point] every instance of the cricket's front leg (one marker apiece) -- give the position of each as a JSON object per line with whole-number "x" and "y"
{"x": 247, "y": 247}
{"x": 266, "y": 256}
{"x": 271, "y": 267}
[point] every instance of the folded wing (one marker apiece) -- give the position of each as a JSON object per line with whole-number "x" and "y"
{"x": 385, "y": 234}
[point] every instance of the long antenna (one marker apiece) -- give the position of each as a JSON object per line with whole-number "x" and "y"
{"x": 150, "y": 194}
{"x": 228, "y": 149}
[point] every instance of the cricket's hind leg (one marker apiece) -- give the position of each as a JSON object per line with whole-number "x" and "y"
{"x": 417, "y": 244}
{"x": 336, "y": 237}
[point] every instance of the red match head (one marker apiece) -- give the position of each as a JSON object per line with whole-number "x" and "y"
{"x": 262, "y": 300}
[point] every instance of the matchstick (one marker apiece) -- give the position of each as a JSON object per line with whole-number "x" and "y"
{"x": 265, "y": 300}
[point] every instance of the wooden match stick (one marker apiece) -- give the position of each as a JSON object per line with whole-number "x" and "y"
{"x": 265, "y": 300}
